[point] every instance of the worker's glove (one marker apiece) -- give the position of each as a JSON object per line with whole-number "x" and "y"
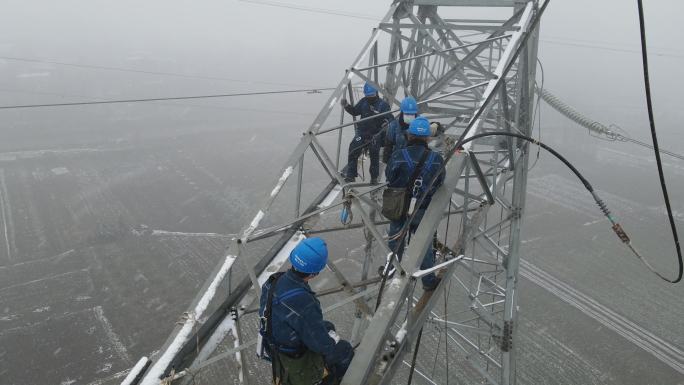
{"x": 436, "y": 128}
{"x": 344, "y": 102}
{"x": 334, "y": 335}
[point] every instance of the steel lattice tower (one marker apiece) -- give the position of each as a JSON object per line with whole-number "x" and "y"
{"x": 472, "y": 75}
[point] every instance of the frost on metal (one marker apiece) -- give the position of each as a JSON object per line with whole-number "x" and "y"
{"x": 152, "y": 377}
{"x": 228, "y": 323}
{"x": 281, "y": 182}
{"x": 135, "y": 371}
{"x": 330, "y": 198}
{"x": 253, "y": 225}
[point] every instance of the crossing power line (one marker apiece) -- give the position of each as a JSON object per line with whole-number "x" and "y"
{"x": 312, "y": 9}
{"x": 143, "y": 100}
{"x": 139, "y": 71}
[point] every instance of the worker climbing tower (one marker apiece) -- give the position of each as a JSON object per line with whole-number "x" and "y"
{"x": 471, "y": 66}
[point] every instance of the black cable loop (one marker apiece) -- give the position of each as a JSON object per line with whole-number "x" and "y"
{"x": 654, "y": 136}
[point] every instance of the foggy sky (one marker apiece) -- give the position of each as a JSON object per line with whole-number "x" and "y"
{"x": 259, "y": 43}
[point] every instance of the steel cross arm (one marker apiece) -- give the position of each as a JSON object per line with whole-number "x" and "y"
{"x": 432, "y": 53}
{"x": 453, "y": 59}
{"x": 456, "y": 71}
{"x": 436, "y": 19}
{"x": 448, "y": 26}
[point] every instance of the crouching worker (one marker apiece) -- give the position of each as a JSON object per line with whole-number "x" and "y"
{"x": 302, "y": 347}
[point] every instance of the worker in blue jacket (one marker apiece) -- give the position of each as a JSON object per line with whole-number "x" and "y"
{"x": 368, "y": 132}
{"x": 399, "y": 170}
{"x": 303, "y": 348}
{"x": 395, "y": 138}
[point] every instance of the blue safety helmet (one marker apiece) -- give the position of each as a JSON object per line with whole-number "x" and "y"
{"x": 309, "y": 256}
{"x": 369, "y": 90}
{"x": 409, "y": 106}
{"x": 419, "y": 127}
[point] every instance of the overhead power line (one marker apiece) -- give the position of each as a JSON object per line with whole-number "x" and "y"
{"x": 139, "y": 71}
{"x": 604, "y": 47}
{"x": 312, "y": 9}
{"x": 142, "y": 100}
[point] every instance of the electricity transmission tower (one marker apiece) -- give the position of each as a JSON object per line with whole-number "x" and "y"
{"x": 471, "y": 65}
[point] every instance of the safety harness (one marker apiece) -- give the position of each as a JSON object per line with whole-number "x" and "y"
{"x": 267, "y": 325}
{"x": 415, "y": 183}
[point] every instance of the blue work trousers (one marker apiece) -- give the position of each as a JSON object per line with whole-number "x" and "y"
{"x": 356, "y": 147}
{"x": 430, "y": 280}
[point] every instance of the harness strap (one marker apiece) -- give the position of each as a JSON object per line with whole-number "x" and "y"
{"x": 289, "y": 294}
{"x": 417, "y": 170}
{"x": 268, "y": 311}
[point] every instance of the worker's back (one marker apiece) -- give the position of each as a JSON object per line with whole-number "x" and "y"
{"x": 296, "y": 316}
{"x": 403, "y": 162}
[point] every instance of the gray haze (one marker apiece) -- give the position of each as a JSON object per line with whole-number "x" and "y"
{"x": 85, "y": 291}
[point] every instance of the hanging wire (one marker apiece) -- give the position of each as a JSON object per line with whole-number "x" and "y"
{"x": 537, "y": 111}
{"x": 446, "y": 330}
{"x": 616, "y": 227}
{"x": 142, "y": 100}
{"x": 654, "y": 136}
{"x": 415, "y": 357}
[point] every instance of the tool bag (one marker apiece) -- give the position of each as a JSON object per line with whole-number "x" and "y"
{"x": 395, "y": 200}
